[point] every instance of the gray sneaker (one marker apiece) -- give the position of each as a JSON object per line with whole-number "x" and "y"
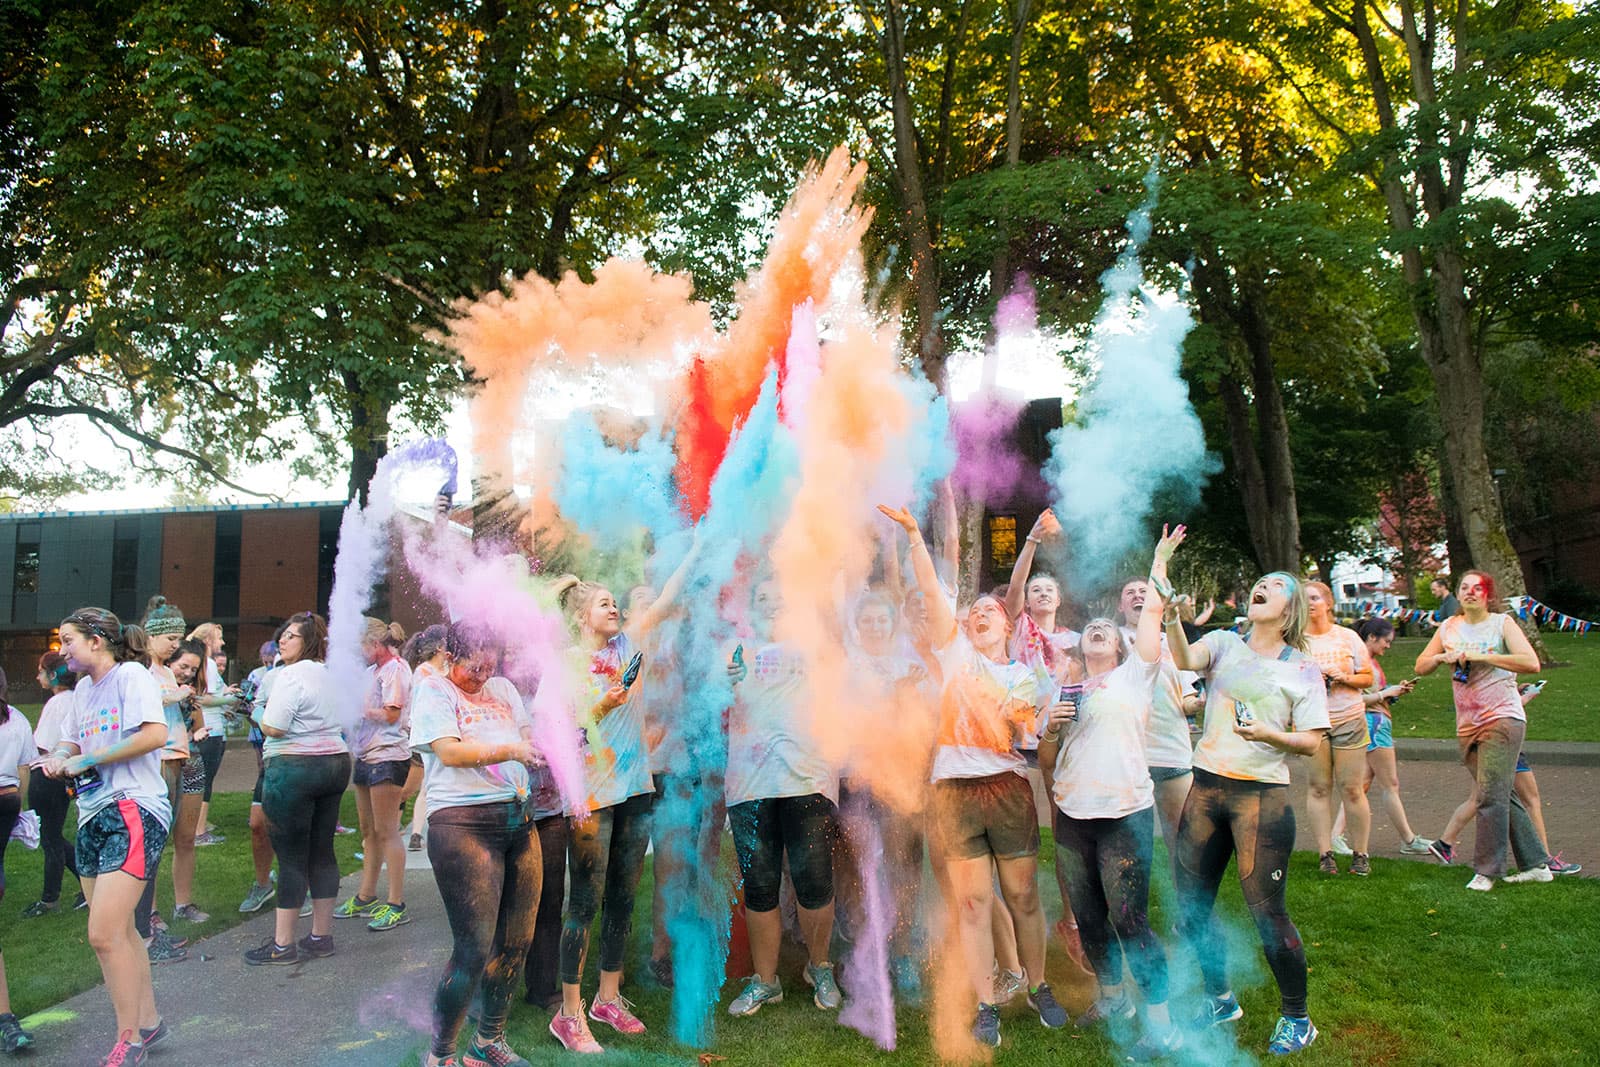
{"x": 1417, "y": 846}
{"x": 1051, "y": 1013}
{"x": 986, "y": 1027}
{"x": 257, "y": 898}
{"x": 756, "y": 993}
{"x": 819, "y": 976}
{"x": 1007, "y": 984}
{"x": 190, "y": 914}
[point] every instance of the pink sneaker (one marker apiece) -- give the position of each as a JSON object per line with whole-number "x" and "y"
{"x": 573, "y": 1033}
{"x": 617, "y": 1014}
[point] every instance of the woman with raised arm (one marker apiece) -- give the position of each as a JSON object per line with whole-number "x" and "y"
{"x": 1033, "y": 603}
{"x": 1341, "y": 758}
{"x": 606, "y": 849}
{"x": 1487, "y": 650}
{"x": 982, "y": 806}
{"x": 476, "y": 740}
{"x": 1104, "y": 815}
{"x": 110, "y": 749}
{"x": 1265, "y": 701}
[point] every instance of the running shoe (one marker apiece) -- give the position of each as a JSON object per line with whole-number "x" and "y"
{"x": 190, "y": 914}
{"x": 1106, "y": 1010}
{"x": 661, "y": 971}
{"x": 257, "y": 898}
{"x": 81, "y": 903}
{"x": 40, "y": 907}
{"x": 1443, "y": 851}
{"x": 1043, "y": 1001}
{"x": 154, "y": 1035}
{"x": 388, "y": 917}
{"x": 272, "y": 954}
{"x": 1007, "y": 984}
{"x": 1328, "y": 865}
{"x": 573, "y": 1032}
{"x": 1291, "y": 1035}
{"x": 495, "y": 1054}
{"x": 1540, "y": 873}
{"x": 1151, "y": 1047}
{"x": 415, "y": 844}
{"x": 360, "y": 855}
{"x": 986, "y": 1027}
{"x": 208, "y": 838}
{"x": 13, "y": 1038}
{"x": 343, "y": 830}
{"x": 430, "y": 1060}
{"x": 1417, "y": 846}
{"x": 1341, "y": 846}
{"x": 1480, "y": 884}
{"x": 161, "y": 949}
{"x": 1360, "y": 863}
{"x": 305, "y": 909}
{"x": 825, "y": 995}
{"x": 617, "y": 1014}
{"x": 317, "y": 947}
{"x": 1559, "y": 866}
{"x": 1217, "y": 1010}
{"x": 124, "y": 1053}
{"x": 356, "y": 908}
{"x": 756, "y": 993}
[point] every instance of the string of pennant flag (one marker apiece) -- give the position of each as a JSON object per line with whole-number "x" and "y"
{"x": 1527, "y": 607}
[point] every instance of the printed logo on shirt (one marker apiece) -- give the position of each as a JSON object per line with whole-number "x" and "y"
{"x": 105, "y": 721}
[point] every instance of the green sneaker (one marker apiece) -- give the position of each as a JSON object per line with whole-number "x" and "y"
{"x": 756, "y": 993}
{"x": 356, "y": 908}
{"x": 388, "y": 916}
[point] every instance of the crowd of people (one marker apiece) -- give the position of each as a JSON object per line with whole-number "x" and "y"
{"x": 135, "y": 727}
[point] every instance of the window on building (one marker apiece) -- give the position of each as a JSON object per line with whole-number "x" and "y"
{"x": 225, "y": 567}
{"x": 25, "y": 574}
{"x": 1002, "y": 544}
{"x": 125, "y": 569}
{"x": 327, "y": 550}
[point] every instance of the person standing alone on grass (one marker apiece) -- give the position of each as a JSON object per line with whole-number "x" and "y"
{"x": 111, "y": 753}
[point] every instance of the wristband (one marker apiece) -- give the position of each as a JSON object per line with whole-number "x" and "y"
{"x": 1030, "y": 539}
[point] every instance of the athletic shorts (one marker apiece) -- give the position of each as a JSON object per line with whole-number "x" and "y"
{"x": 1380, "y": 731}
{"x": 1352, "y": 734}
{"x": 385, "y": 772}
{"x": 121, "y": 837}
{"x": 192, "y": 780}
{"x": 1522, "y": 763}
{"x": 1168, "y": 774}
{"x": 993, "y": 816}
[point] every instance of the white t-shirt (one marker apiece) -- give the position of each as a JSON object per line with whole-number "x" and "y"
{"x": 16, "y": 745}
{"x": 772, "y": 750}
{"x": 887, "y": 685}
{"x": 177, "y": 746}
{"x": 377, "y": 739}
{"x": 1489, "y": 693}
{"x": 617, "y": 759}
{"x": 303, "y": 706}
{"x": 106, "y": 714}
{"x": 494, "y": 715}
{"x": 1344, "y": 651}
{"x": 216, "y": 722}
{"x": 981, "y": 708}
{"x": 1166, "y": 735}
{"x": 1284, "y": 693}
{"x": 1102, "y": 772}
{"x": 53, "y": 722}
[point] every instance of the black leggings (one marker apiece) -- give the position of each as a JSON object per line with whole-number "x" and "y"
{"x": 543, "y": 974}
{"x": 486, "y": 861}
{"x": 1253, "y": 821}
{"x": 10, "y": 812}
{"x": 1106, "y": 863}
{"x": 48, "y": 797}
{"x": 606, "y": 851}
{"x": 210, "y": 751}
{"x": 300, "y": 797}
{"x": 763, "y": 830}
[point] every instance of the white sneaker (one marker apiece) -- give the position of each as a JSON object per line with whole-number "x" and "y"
{"x": 1540, "y": 873}
{"x": 1341, "y": 846}
{"x": 1417, "y": 846}
{"x": 1480, "y": 883}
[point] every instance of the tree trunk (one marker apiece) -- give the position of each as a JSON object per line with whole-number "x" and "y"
{"x": 1000, "y": 272}
{"x": 369, "y": 434}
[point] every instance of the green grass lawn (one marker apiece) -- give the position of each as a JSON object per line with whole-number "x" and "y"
{"x": 48, "y": 959}
{"x": 1567, "y": 710}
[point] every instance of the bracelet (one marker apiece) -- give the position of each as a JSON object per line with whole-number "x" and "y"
{"x": 1030, "y": 539}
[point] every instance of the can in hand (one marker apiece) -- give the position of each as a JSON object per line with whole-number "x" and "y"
{"x": 1072, "y": 693}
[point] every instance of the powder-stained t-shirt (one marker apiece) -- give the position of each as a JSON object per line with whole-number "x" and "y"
{"x": 302, "y": 705}
{"x": 16, "y": 745}
{"x": 889, "y": 685}
{"x": 618, "y": 761}
{"x": 772, "y": 748}
{"x": 1344, "y": 651}
{"x": 216, "y": 721}
{"x": 494, "y": 715}
{"x": 106, "y": 714}
{"x": 1489, "y": 693}
{"x": 377, "y": 740}
{"x": 177, "y": 746}
{"x": 983, "y": 709}
{"x": 1166, "y": 734}
{"x": 1284, "y": 693}
{"x": 1102, "y": 771}
{"x": 54, "y": 719}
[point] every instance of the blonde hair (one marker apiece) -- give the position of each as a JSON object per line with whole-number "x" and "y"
{"x": 575, "y": 596}
{"x": 204, "y": 632}
{"x": 1296, "y": 616}
{"x": 381, "y": 633}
